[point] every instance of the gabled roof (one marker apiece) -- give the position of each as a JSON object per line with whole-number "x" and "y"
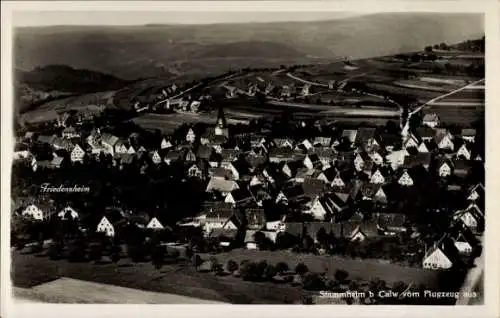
{"x": 323, "y": 141}
{"x": 350, "y": 134}
{"x": 391, "y": 220}
{"x": 109, "y": 139}
{"x": 241, "y": 194}
{"x": 218, "y": 210}
{"x": 293, "y": 192}
{"x": 313, "y": 187}
{"x": 445, "y": 244}
{"x": 230, "y": 154}
{"x": 221, "y": 185}
{"x": 431, "y": 117}
{"x": 46, "y": 139}
{"x": 419, "y": 159}
{"x": 468, "y": 132}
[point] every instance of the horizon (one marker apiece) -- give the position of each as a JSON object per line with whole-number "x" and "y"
{"x": 36, "y": 19}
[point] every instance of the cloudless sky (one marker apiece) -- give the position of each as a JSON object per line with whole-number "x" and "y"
{"x": 45, "y": 18}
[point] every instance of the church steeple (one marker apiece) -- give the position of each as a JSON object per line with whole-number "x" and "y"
{"x": 221, "y": 119}
{"x": 221, "y": 124}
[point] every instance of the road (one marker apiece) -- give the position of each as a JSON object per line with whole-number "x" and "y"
{"x": 406, "y": 128}
{"x": 305, "y": 81}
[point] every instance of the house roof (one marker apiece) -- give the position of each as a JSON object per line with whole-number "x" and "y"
{"x": 255, "y": 161}
{"x": 255, "y": 216}
{"x": 445, "y": 244}
{"x": 323, "y": 141}
{"x": 388, "y": 220}
{"x": 204, "y": 152}
{"x": 221, "y": 185}
{"x": 46, "y": 139}
{"x": 294, "y": 191}
{"x": 425, "y": 132}
{"x": 230, "y": 154}
{"x": 364, "y": 134}
{"x": 174, "y": 155}
{"x": 468, "y": 132}
{"x": 218, "y": 210}
{"x": 419, "y": 159}
{"x": 350, "y": 134}
{"x": 224, "y": 233}
{"x": 430, "y": 117}
{"x": 313, "y": 187}
{"x": 109, "y": 139}
{"x": 282, "y": 153}
{"x": 241, "y": 194}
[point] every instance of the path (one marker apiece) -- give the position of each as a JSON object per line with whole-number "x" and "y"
{"x": 406, "y": 128}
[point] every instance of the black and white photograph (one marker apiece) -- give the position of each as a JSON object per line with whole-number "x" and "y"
{"x": 247, "y": 157}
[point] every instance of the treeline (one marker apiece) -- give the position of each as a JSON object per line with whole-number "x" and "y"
{"x": 67, "y": 79}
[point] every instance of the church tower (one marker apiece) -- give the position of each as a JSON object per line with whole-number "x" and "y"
{"x": 221, "y": 124}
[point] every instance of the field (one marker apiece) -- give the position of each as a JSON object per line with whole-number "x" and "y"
{"x": 357, "y": 268}
{"x": 93, "y": 103}
{"x": 181, "y": 279}
{"x": 68, "y": 290}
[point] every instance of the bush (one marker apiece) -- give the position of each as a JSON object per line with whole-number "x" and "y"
{"x": 301, "y": 269}
{"x": 232, "y": 266}
{"x": 341, "y": 275}
{"x": 282, "y": 267}
{"x": 313, "y": 281}
{"x": 249, "y": 272}
{"x": 269, "y": 272}
{"x": 197, "y": 261}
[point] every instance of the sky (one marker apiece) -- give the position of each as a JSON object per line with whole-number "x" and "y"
{"x": 47, "y": 18}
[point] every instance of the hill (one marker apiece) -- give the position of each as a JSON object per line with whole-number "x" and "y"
{"x": 47, "y": 83}
{"x": 170, "y": 50}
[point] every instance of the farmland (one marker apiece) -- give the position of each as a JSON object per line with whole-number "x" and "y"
{"x": 181, "y": 279}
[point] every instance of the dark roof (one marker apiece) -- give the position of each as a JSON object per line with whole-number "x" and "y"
{"x": 204, "y": 152}
{"x": 218, "y": 210}
{"x": 363, "y": 135}
{"x": 313, "y": 187}
{"x": 419, "y": 159}
{"x": 391, "y": 220}
{"x": 241, "y": 194}
{"x": 294, "y": 191}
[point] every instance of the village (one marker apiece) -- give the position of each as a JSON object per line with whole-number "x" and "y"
{"x": 362, "y": 193}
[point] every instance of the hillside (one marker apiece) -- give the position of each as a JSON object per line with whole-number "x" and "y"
{"x": 171, "y": 50}
{"x": 43, "y": 84}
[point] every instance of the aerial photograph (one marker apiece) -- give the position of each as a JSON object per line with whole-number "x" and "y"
{"x": 168, "y": 157}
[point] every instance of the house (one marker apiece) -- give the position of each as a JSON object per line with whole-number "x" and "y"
{"x": 461, "y": 168}
{"x": 250, "y": 242}
{"x": 392, "y": 223}
{"x": 155, "y": 157}
{"x": 313, "y": 187}
{"x": 312, "y": 161}
{"x": 472, "y": 218}
{"x": 189, "y": 156}
{"x": 154, "y": 224}
{"x": 291, "y": 168}
{"x": 444, "y": 140}
{"x": 442, "y": 255}
{"x": 325, "y": 155}
{"x": 173, "y": 156}
{"x": 377, "y": 156}
{"x": 341, "y": 179}
{"x": 322, "y": 141}
{"x": 320, "y": 208}
{"x": 257, "y": 180}
{"x": 70, "y": 132}
{"x": 425, "y": 133}
{"x": 445, "y": 168}
{"x": 365, "y": 138}
{"x": 165, "y": 144}
{"x": 221, "y": 185}
{"x": 360, "y": 160}
{"x": 405, "y": 179}
{"x": 476, "y": 192}
{"x": 469, "y": 134}
{"x": 77, "y": 154}
{"x": 21, "y": 151}
{"x": 237, "y": 168}
{"x": 431, "y": 120}
{"x": 349, "y": 135}
{"x": 120, "y": 147}
{"x": 463, "y": 152}
{"x": 464, "y": 240}
{"x": 290, "y": 193}
{"x": 368, "y": 191}
{"x": 131, "y": 150}
{"x": 256, "y": 218}
{"x": 283, "y": 143}
{"x": 190, "y": 136}
{"x": 37, "y": 212}
{"x": 422, "y": 148}
{"x": 327, "y": 175}
{"x": 411, "y": 142}
{"x": 378, "y": 177}
{"x": 238, "y": 196}
{"x": 204, "y": 152}
{"x": 389, "y": 141}
{"x": 222, "y": 216}
{"x": 60, "y": 143}
{"x": 304, "y": 145}
{"x": 381, "y": 195}
{"x": 281, "y": 154}
{"x": 106, "y": 227}
{"x": 195, "y": 172}
{"x": 55, "y": 163}
{"x": 108, "y": 143}
{"x": 67, "y": 213}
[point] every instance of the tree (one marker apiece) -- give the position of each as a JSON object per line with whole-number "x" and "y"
{"x": 158, "y": 256}
{"x": 428, "y": 48}
{"x": 341, "y": 275}
{"x": 55, "y": 250}
{"x": 232, "y": 266}
{"x": 95, "y": 253}
{"x": 301, "y": 269}
{"x": 249, "y": 272}
{"x": 321, "y": 236}
{"x": 313, "y": 281}
{"x": 197, "y": 261}
{"x": 281, "y": 267}
{"x": 116, "y": 251}
{"x": 269, "y": 272}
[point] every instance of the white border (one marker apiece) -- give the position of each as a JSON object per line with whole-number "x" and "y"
{"x": 492, "y": 29}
